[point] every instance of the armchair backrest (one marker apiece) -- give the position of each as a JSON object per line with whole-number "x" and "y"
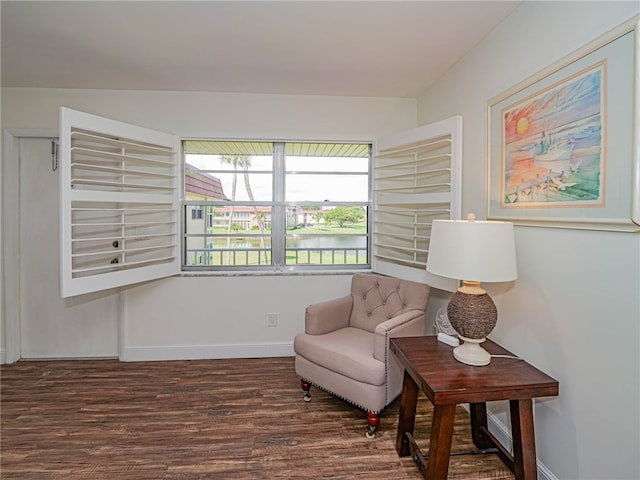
{"x": 377, "y": 298}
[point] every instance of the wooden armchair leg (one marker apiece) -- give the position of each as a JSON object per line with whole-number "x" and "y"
{"x": 373, "y": 419}
{"x": 306, "y": 387}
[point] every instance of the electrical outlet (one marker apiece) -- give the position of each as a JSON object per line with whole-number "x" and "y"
{"x": 272, "y": 319}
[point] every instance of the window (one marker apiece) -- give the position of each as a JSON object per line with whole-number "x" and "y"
{"x": 276, "y": 206}
{"x": 247, "y": 205}
{"x": 196, "y": 213}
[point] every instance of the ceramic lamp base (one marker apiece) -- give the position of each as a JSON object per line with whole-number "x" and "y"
{"x": 471, "y": 353}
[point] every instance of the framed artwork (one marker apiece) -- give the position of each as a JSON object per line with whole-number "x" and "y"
{"x": 563, "y": 145}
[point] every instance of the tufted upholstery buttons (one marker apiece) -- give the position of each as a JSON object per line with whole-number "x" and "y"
{"x": 377, "y": 300}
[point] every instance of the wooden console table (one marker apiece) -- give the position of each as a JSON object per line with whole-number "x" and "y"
{"x": 430, "y": 367}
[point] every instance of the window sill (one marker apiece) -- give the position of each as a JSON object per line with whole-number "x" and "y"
{"x": 272, "y": 273}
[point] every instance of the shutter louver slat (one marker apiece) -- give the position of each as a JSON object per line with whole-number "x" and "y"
{"x": 119, "y": 192}
{"x": 417, "y": 181}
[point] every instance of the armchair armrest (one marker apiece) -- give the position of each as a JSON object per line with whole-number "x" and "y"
{"x": 325, "y": 317}
{"x": 407, "y": 324}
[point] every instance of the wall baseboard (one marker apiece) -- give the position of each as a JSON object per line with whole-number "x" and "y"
{"x": 204, "y": 352}
{"x": 503, "y": 434}
{"x": 3, "y": 358}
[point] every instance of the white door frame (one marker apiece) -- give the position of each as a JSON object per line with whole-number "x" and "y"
{"x": 10, "y": 281}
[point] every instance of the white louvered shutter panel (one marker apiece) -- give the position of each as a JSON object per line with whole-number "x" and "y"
{"x": 118, "y": 203}
{"x": 417, "y": 179}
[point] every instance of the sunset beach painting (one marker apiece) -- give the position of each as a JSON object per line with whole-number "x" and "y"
{"x": 553, "y": 144}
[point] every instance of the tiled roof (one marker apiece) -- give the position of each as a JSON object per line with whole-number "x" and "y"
{"x": 203, "y": 183}
{"x": 242, "y": 208}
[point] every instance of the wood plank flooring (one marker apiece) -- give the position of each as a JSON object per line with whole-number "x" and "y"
{"x": 205, "y": 419}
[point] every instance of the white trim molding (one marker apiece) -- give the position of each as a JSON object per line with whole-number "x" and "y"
{"x": 10, "y": 240}
{"x": 503, "y": 434}
{"x": 206, "y": 352}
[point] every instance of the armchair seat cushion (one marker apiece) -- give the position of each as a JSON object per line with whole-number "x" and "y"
{"x": 346, "y": 351}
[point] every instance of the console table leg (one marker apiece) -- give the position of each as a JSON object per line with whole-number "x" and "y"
{"x": 407, "y": 417}
{"x": 440, "y": 443}
{"x": 524, "y": 441}
{"x": 479, "y": 424}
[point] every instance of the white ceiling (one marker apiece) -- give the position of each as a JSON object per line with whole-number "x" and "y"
{"x": 362, "y": 48}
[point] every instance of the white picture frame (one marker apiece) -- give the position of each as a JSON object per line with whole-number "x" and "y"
{"x": 570, "y": 164}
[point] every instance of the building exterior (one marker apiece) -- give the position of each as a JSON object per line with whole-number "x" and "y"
{"x": 198, "y": 218}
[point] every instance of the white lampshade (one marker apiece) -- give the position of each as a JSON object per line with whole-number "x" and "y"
{"x": 480, "y": 251}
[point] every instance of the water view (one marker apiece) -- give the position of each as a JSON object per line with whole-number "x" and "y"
{"x": 307, "y": 246}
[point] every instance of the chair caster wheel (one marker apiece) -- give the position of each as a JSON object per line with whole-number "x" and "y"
{"x": 373, "y": 419}
{"x": 307, "y": 398}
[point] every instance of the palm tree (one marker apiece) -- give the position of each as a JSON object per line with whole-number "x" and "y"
{"x": 259, "y": 217}
{"x": 231, "y": 160}
{"x": 245, "y": 162}
{"x": 318, "y": 216}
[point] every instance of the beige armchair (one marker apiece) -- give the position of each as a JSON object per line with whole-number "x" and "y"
{"x": 345, "y": 346}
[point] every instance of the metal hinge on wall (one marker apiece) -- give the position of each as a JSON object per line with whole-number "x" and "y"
{"x": 54, "y": 155}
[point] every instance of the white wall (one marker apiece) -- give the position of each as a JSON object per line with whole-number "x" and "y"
{"x": 218, "y": 316}
{"x": 207, "y": 115}
{"x": 2, "y": 315}
{"x": 574, "y": 311}
{"x": 221, "y": 317}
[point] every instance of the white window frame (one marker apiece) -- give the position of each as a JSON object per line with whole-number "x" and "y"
{"x": 279, "y": 205}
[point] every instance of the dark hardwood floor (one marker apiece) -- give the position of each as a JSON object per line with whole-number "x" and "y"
{"x": 213, "y": 419}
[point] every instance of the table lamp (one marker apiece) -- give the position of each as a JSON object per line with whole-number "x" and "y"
{"x": 472, "y": 251}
